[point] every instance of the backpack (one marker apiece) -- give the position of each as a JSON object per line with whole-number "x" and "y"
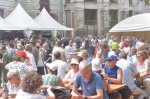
{"x": 61, "y": 92}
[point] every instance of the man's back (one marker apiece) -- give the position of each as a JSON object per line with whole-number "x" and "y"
{"x": 128, "y": 69}
{"x": 62, "y": 68}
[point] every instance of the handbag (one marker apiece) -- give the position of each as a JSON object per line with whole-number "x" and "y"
{"x": 61, "y": 92}
{"x": 125, "y": 92}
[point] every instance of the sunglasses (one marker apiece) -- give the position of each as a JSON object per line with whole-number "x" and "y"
{"x": 138, "y": 56}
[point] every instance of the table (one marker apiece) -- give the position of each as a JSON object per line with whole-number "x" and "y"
{"x": 115, "y": 87}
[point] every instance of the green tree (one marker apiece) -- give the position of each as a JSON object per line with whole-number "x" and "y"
{"x": 146, "y": 1}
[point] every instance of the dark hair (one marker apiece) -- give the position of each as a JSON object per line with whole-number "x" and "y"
{"x": 16, "y": 58}
{"x": 123, "y": 55}
{"x": 117, "y": 52}
{"x": 31, "y": 82}
{"x": 11, "y": 45}
{"x": 57, "y": 54}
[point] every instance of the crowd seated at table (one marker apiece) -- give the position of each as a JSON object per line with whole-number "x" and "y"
{"x": 92, "y": 68}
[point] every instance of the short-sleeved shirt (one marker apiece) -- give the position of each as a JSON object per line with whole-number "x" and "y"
{"x": 71, "y": 76}
{"x": 50, "y": 80}
{"x": 13, "y": 89}
{"x": 21, "y": 67}
{"x": 7, "y": 57}
{"x": 89, "y": 88}
{"x": 25, "y": 95}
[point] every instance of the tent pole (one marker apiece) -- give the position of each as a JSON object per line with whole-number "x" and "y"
{"x": 133, "y": 34}
{"x": 121, "y": 35}
{"x": 145, "y": 34}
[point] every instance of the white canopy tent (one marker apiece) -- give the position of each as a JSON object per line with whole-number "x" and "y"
{"x": 21, "y": 19}
{"x": 4, "y": 25}
{"x": 138, "y": 26}
{"x": 47, "y": 21}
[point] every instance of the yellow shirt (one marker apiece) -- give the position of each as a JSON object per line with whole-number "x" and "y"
{"x": 114, "y": 45}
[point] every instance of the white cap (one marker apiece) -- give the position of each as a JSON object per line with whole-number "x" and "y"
{"x": 96, "y": 65}
{"x": 52, "y": 66}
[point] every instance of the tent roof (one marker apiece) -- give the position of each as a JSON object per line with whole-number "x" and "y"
{"x": 20, "y": 18}
{"x": 139, "y": 22}
{"x": 46, "y": 20}
{"x": 4, "y": 25}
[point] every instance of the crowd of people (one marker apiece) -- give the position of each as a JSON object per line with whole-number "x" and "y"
{"x": 86, "y": 65}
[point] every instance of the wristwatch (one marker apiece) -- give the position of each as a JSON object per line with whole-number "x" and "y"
{"x": 85, "y": 97}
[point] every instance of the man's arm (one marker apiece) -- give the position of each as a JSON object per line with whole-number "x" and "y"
{"x": 98, "y": 96}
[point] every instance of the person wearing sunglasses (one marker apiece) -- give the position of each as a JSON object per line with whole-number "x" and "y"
{"x": 142, "y": 65}
{"x": 71, "y": 75}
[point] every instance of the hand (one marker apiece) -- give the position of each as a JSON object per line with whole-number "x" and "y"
{"x": 105, "y": 76}
{"x": 77, "y": 96}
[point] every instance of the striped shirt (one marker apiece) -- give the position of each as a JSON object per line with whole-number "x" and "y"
{"x": 21, "y": 67}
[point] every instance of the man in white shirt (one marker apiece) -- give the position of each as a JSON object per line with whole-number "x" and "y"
{"x": 62, "y": 67}
{"x": 31, "y": 57}
{"x": 129, "y": 72}
{"x": 69, "y": 49}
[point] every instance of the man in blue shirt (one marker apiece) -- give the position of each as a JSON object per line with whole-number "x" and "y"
{"x": 90, "y": 83}
{"x": 85, "y": 56}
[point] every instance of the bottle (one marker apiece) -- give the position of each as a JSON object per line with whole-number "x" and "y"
{"x": 5, "y": 91}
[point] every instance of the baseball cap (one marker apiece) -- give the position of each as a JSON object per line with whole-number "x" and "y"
{"x": 23, "y": 54}
{"x": 96, "y": 65}
{"x": 112, "y": 57}
{"x": 52, "y": 66}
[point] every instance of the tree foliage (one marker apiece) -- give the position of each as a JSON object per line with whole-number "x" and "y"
{"x": 146, "y": 1}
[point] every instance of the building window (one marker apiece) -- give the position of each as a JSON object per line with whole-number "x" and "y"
{"x": 90, "y": 0}
{"x": 46, "y": 4}
{"x": 130, "y": 2}
{"x": 114, "y": 17}
{"x": 130, "y": 13}
{"x": 90, "y": 22}
{"x": 113, "y": 1}
{"x": 1, "y": 13}
{"x": 67, "y": 1}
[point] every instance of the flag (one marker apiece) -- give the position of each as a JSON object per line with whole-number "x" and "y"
{"x": 109, "y": 20}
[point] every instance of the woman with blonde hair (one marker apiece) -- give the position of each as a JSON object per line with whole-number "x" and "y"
{"x": 14, "y": 83}
{"x": 142, "y": 65}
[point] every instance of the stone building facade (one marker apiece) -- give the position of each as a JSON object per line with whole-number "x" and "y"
{"x": 96, "y": 17}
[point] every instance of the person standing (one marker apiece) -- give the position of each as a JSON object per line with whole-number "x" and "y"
{"x": 35, "y": 51}
{"x": 6, "y": 58}
{"x": 46, "y": 53}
